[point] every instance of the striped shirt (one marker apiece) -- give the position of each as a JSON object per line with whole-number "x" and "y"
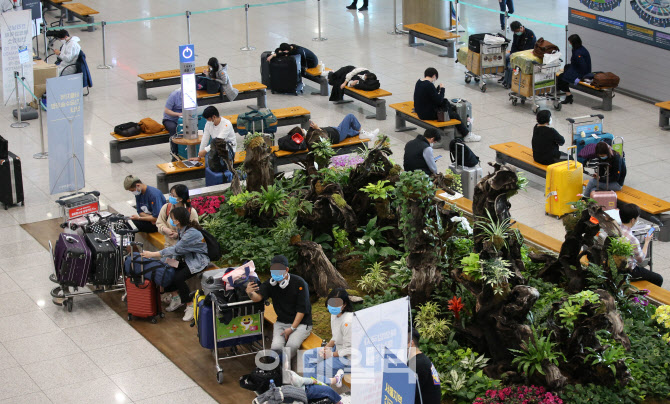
{"x": 638, "y": 256}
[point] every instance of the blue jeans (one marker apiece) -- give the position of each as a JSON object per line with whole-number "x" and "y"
{"x": 505, "y": 4}
{"x": 593, "y": 184}
{"x": 317, "y": 391}
{"x": 322, "y": 370}
{"x": 171, "y": 127}
{"x": 349, "y": 127}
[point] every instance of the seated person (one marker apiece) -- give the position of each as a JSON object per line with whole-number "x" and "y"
{"x": 290, "y": 298}
{"x": 218, "y": 73}
{"x": 524, "y": 39}
{"x": 179, "y": 198}
{"x": 171, "y": 114}
{"x": 308, "y": 58}
{"x": 349, "y": 127}
{"x": 148, "y": 202}
{"x": 328, "y": 364}
{"x": 419, "y": 152}
{"x": 314, "y": 389}
{"x": 215, "y": 128}
{"x": 351, "y": 76}
{"x": 609, "y": 161}
{"x": 546, "y": 140}
{"x": 69, "y": 52}
{"x": 428, "y": 99}
{"x": 579, "y": 66}
{"x": 428, "y": 386}
{"x": 191, "y": 253}
{"x": 629, "y": 214}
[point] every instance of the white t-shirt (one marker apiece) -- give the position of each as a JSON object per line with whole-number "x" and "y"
{"x": 341, "y": 329}
{"x": 224, "y": 130}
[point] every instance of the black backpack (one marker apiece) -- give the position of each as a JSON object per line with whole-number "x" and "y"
{"x": 213, "y": 248}
{"x": 288, "y": 144}
{"x": 128, "y": 129}
{"x": 459, "y": 153}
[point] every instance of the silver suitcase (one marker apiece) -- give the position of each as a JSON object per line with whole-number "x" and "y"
{"x": 212, "y": 280}
{"x": 464, "y": 109}
{"x": 470, "y": 176}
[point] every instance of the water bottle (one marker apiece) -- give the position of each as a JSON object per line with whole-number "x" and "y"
{"x": 272, "y": 385}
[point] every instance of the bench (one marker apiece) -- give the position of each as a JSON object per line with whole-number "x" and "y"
{"x": 519, "y": 156}
{"x": 81, "y": 11}
{"x": 160, "y": 79}
{"x": 658, "y": 295}
{"x": 404, "y": 112}
{"x": 156, "y": 239}
{"x": 604, "y": 93}
{"x": 177, "y": 172}
{"x": 285, "y": 117}
{"x": 434, "y": 35}
{"x": 314, "y": 75}
{"x": 247, "y": 91}
{"x": 373, "y": 98}
{"x": 312, "y": 341}
{"x": 664, "y": 114}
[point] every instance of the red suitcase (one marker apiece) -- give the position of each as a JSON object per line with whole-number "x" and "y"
{"x": 143, "y": 299}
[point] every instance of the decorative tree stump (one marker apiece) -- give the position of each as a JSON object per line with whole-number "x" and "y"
{"x": 317, "y": 270}
{"x": 258, "y": 165}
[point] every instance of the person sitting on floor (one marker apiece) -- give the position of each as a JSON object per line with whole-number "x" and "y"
{"x": 349, "y": 127}
{"x": 148, "y": 202}
{"x": 290, "y": 298}
{"x": 217, "y": 73}
{"x": 610, "y": 162}
{"x": 629, "y": 214}
{"x": 191, "y": 253}
{"x": 428, "y": 100}
{"x": 546, "y": 140}
{"x": 419, "y": 152}
{"x": 328, "y": 364}
{"x": 308, "y": 58}
{"x": 351, "y": 76}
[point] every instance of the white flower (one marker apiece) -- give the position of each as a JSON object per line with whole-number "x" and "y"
{"x": 372, "y": 242}
{"x": 361, "y": 241}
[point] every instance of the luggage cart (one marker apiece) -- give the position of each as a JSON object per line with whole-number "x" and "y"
{"x": 542, "y": 86}
{"x": 491, "y": 64}
{"x": 245, "y": 329}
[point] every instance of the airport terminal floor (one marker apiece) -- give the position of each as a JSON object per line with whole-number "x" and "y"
{"x": 93, "y": 354}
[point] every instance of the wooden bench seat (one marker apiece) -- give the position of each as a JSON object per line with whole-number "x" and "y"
{"x": 663, "y": 114}
{"x": 373, "y": 98}
{"x": 434, "y": 35}
{"x": 657, "y": 294}
{"x": 652, "y": 207}
{"x": 604, "y": 93}
{"x": 81, "y": 11}
{"x": 314, "y": 75}
{"x": 247, "y": 91}
{"x": 156, "y": 239}
{"x": 519, "y": 156}
{"x": 404, "y": 112}
{"x": 312, "y": 341}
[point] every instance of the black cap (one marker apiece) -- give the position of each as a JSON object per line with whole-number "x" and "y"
{"x": 279, "y": 262}
{"x": 415, "y": 334}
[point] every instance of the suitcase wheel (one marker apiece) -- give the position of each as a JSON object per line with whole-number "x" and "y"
{"x": 130, "y": 317}
{"x": 67, "y": 305}
{"x": 153, "y": 320}
{"x": 468, "y": 79}
{"x": 219, "y": 376}
{"x": 162, "y": 315}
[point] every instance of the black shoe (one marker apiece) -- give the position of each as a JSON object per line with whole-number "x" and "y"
{"x": 364, "y": 8}
{"x": 567, "y": 100}
{"x": 351, "y": 6}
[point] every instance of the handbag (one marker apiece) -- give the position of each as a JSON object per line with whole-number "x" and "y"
{"x": 543, "y": 46}
{"x": 605, "y": 79}
{"x": 442, "y": 114}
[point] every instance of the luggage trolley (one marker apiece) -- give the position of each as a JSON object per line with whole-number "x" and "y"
{"x": 542, "y": 85}
{"x": 491, "y": 63}
{"x": 245, "y": 328}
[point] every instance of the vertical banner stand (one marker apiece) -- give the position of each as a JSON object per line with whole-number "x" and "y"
{"x": 104, "y": 64}
{"x": 19, "y": 123}
{"x": 395, "y": 30}
{"x": 246, "y": 21}
{"x": 319, "y": 38}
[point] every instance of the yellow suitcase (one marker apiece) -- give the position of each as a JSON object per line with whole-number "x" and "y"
{"x": 564, "y": 183}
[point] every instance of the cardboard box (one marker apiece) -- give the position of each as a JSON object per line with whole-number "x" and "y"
{"x": 43, "y": 71}
{"x": 526, "y": 83}
{"x": 473, "y": 63}
{"x": 40, "y": 89}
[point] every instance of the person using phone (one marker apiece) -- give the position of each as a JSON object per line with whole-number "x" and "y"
{"x": 419, "y": 152}
{"x": 630, "y": 213}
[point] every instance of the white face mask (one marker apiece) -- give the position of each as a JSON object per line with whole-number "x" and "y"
{"x": 136, "y": 192}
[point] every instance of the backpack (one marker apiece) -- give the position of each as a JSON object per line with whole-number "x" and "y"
{"x": 217, "y": 163}
{"x": 148, "y": 125}
{"x": 257, "y": 120}
{"x": 128, "y": 129}
{"x": 213, "y": 248}
{"x": 462, "y": 154}
{"x": 287, "y": 143}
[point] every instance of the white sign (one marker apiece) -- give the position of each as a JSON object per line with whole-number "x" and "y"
{"x": 374, "y": 329}
{"x": 16, "y": 31}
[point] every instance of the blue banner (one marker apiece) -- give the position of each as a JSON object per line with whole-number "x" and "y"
{"x": 399, "y": 381}
{"x": 65, "y": 126}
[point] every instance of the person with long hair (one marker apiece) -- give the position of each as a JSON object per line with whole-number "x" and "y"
{"x": 219, "y": 73}
{"x": 580, "y": 66}
{"x": 178, "y": 198}
{"x": 190, "y": 251}
{"x": 611, "y": 163}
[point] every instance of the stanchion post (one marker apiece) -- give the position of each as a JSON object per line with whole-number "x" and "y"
{"x": 566, "y": 41}
{"x": 43, "y": 154}
{"x": 457, "y": 12}
{"x": 246, "y": 21}
{"x": 19, "y": 123}
{"x": 395, "y": 30}
{"x": 506, "y": 21}
{"x": 188, "y": 27}
{"x": 319, "y": 38}
{"x": 104, "y": 64}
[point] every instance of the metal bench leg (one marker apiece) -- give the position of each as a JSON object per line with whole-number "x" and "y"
{"x": 90, "y": 20}
{"x": 380, "y": 111}
{"x": 261, "y": 100}
{"x": 115, "y": 153}
{"x": 450, "y": 51}
{"x": 69, "y": 15}
{"x": 162, "y": 182}
{"x": 324, "y": 88}
{"x": 305, "y": 123}
{"x": 400, "y": 124}
{"x": 664, "y": 119}
{"x": 607, "y": 101}
{"x": 412, "y": 40}
{"x": 142, "y": 91}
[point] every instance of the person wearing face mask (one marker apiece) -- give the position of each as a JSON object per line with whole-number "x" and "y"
{"x": 629, "y": 214}
{"x": 328, "y": 364}
{"x": 215, "y": 128}
{"x": 419, "y": 152}
{"x": 580, "y": 66}
{"x": 428, "y": 99}
{"x": 290, "y": 298}
{"x": 428, "y": 385}
{"x": 179, "y": 198}
{"x": 546, "y": 140}
{"x": 69, "y": 52}
{"x": 524, "y": 39}
{"x": 148, "y": 202}
{"x": 610, "y": 160}
{"x": 191, "y": 252}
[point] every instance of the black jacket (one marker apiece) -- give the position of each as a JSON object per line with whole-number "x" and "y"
{"x": 413, "y": 159}
{"x": 308, "y": 58}
{"x": 545, "y": 145}
{"x": 614, "y": 169}
{"x": 338, "y": 77}
{"x": 524, "y": 41}
{"x": 427, "y": 99}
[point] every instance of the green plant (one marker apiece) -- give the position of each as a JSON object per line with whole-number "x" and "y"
{"x": 272, "y": 200}
{"x": 496, "y": 273}
{"x": 250, "y": 137}
{"x": 571, "y": 309}
{"x": 534, "y": 352}
{"x": 494, "y": 232}
{"x": 472, "y": 266}
{"x": 238, "y": 201}
{"x": 379, "y": 190}
{"x": 455, "y": 179}
{"x": 285, "y": 228}
{"x": 521, "y": 181}
{"x": 430, "y": 324}
{"x": 342, "y": 243}
{"x": 411, "y": 188}
{"x": 596, "y": 394}
{"x": 401, "y": 274}
{"x": 372, "y": 244}
{"x": 335, "y": 175}
{"x": 459, "y": 247}
{"x": 323, "y": 150}
{"x": 363, "y": 151}
{"x": 620, "y": 246}
{"x": 296, "y": 205}
{"x": 608, "y": 357}
{"x": 374, "y": 280}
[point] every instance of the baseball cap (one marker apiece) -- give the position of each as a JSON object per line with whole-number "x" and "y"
{"x": 129, "y": 181}
{"x": 279, "y": 263}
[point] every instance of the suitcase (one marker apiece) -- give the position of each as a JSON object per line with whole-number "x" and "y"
{"x": 79, "y": 204}
{"x": 265, "y": 69}
{"x": 105, "y": 259}
{"x": 142, "y": 298}
{"x": 4, "y": 147}
{"x": 470, "y": 176}
{"x": 285, "y": 75}
{"x": 592, "y": 128}
{"x": 475, "y": 40}
{"x": 212, "y": 280}
{"x": 155, "y": 270}
{"x": 72, "y": 260}
{"x": 562, "y": 186}
{"x": 464, "y": 110}
{"x": 11, "y": 180}
{"x": 582, "y": 142}
{"x": 606, "y": 199}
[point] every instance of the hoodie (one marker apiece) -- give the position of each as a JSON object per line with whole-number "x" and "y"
{"x": 69, "y": 52}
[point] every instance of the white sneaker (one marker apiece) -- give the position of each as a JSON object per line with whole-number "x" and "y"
{"x": 338, "y": 378}
{"x": 188, "y": 313}
{"x": 471, "y": 137}
{"x": 174, "y": 304}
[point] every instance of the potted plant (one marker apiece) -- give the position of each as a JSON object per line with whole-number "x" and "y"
{"x": 322, "y": 152}
{"x": 239, "y": 201}
{"x": 381, "y": 194}
{"x": 620, "y": 249}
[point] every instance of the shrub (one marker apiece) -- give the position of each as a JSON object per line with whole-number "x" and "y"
{"x": 519, "y": 395}
{"x": 429, "y": 324}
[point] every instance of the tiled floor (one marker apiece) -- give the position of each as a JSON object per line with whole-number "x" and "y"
{"x": 92, "y": 355}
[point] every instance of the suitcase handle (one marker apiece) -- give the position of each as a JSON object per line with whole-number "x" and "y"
{"x": 573, "y": 156}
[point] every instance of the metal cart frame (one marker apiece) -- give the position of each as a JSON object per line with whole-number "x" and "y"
{"x": 542, "y": 90}
{"x": 492, "y": 53}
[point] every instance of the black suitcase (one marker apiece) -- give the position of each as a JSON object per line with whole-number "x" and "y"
{"x": 4, "y": 147}
{"x": 105, "y": 259}
{"x": 11, "y": 180}
{"x": 285, "y": 75}
{"x": 474, "y": 42}
{"x": 265, "y": 69}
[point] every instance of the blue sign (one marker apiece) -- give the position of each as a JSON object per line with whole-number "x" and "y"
{"x": 186, "y": 54}
{"x": 399, "y": 381}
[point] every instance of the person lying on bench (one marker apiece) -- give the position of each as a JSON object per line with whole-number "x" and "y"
{"x": 215, "y": 79}
{"x": 351, "y": 76}
{"x": 630, "y": 214}
{"x": 546, "y": 140}
{"x": 215, "y": 128}
{"x": 419, "y": 152}
{"x": 148, "y": 202}
{"x": 524, "y": 39}
{"x": 171, "y": 114}
{"x": 609, "y": 161}
{"x": 349, "y": 127}
{"x": 428, "y": 99}
{"x": 308, "y": 58}
{"x": 580, "y": 66}
{"x": 69, "y": 52}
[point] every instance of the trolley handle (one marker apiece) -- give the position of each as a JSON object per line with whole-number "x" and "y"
{"x": 573, "y": 120}
{"x": 225, "y": 305}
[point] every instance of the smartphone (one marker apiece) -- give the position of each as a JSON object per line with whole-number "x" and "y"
{"x": 651, "y": 231}
{"x": 438, "y": 157}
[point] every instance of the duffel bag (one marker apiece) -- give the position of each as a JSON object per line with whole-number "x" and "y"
{"x": 257, "y": 120}
{"x": 128, "y": 129}
{"x": 605, "y": 79}
{"x": 259, "y": 379}
{"x": 543, "y": 46}
{"x": 157, "y": 271}
{"x": 150, "y": 126}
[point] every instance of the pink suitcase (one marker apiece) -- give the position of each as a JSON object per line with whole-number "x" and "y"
{"x": 606, "y": 199}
